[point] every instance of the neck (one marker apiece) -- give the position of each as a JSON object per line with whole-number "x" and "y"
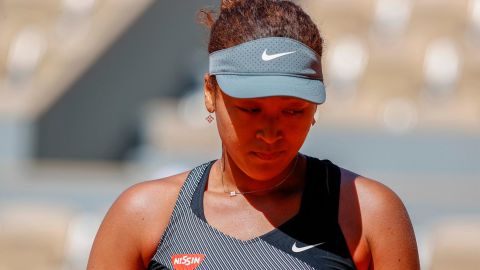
{"x": 235, "y": 181}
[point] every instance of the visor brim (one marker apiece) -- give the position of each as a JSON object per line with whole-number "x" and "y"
{"x": 246, "y": 86}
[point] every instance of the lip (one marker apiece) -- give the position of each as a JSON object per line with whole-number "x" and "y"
{"x": 268, "y": 155}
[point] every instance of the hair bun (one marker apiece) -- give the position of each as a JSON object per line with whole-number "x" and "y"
{"x": 230, "y": 4}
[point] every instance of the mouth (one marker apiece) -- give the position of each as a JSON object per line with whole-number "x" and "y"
{"x": 268, "y": 155}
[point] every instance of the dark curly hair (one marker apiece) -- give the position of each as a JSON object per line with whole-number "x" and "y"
{"x": 241, "y": 21}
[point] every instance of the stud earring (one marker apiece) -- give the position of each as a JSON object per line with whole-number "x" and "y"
{"x": 209, "y": 118}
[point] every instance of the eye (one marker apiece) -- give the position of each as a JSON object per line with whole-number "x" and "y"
{"x": 249, "y": 110}
{"x": 293, "y": 112}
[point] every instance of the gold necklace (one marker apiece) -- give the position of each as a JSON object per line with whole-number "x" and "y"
{"x": 235, "y": 193}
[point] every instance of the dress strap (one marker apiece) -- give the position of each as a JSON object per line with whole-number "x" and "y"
{"x": 322, "y": 189}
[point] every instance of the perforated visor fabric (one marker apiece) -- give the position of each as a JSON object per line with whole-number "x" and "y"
{"x": 269, "y": 67}
{"x": 240, "y": 86}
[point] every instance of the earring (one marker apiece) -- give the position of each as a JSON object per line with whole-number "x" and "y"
{"x": 314, "y": 121}
{"x": 209, "y": 118}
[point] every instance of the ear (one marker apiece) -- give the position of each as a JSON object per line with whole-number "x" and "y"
{"x": 209, "y": 90}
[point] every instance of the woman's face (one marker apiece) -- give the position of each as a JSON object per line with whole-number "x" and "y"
{"x": 262, "y": 135}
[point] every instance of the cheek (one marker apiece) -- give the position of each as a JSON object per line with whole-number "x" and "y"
{"x": 224, "y": 127}
{"x": 296, "y": 131}
{"x": 230, "y": 134}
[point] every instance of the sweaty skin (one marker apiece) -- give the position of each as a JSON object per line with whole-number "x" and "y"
{"x": 261, "y": 138}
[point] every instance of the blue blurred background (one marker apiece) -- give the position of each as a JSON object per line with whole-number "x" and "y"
{"x": 96, "y": 95}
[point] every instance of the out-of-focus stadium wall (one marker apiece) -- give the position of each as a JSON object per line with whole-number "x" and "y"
{"x": 158, "y": 56}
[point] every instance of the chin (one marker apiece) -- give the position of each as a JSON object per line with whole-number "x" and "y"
{"x": 264, "y": 169}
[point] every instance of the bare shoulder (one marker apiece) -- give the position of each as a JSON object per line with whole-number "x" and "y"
{"x": 374, "y": 197}
{"x": 146, "y": 198}
{"x": 139, "y": 217}
{"x": 382, "y": 230}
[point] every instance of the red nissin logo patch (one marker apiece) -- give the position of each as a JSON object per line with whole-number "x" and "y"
{"x": 187, "y": 261}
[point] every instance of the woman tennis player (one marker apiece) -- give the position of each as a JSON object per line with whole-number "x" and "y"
{"x": 262, "y": 205}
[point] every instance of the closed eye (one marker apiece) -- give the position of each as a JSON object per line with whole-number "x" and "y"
{"x": 249, "y": 110}
{"x": 294, "y": 112}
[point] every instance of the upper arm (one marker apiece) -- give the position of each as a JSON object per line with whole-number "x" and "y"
{"x": 387, "y": 227}
{"x": 130, "y": 231}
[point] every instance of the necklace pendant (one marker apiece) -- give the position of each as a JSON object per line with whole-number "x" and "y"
{"x": 233, "y": 193}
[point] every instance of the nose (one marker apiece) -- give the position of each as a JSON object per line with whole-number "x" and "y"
{"x": 269, "y": 131}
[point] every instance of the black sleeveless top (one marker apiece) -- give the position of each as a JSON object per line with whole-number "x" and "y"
{"x": 312, "y": 239}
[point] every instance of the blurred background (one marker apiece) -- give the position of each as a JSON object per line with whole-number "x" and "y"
{"x": 96, "y": 95}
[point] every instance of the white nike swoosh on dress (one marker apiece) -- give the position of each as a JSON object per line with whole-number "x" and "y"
{"x": 266, "y": 57}
{"x": 297, "y": 249}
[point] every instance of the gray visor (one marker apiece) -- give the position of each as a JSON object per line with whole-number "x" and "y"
{"x": 273, "y": 66}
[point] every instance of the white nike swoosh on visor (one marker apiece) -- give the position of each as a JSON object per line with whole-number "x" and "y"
{"x": 266, "y": 57}
{"x": 297, "y": 249}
